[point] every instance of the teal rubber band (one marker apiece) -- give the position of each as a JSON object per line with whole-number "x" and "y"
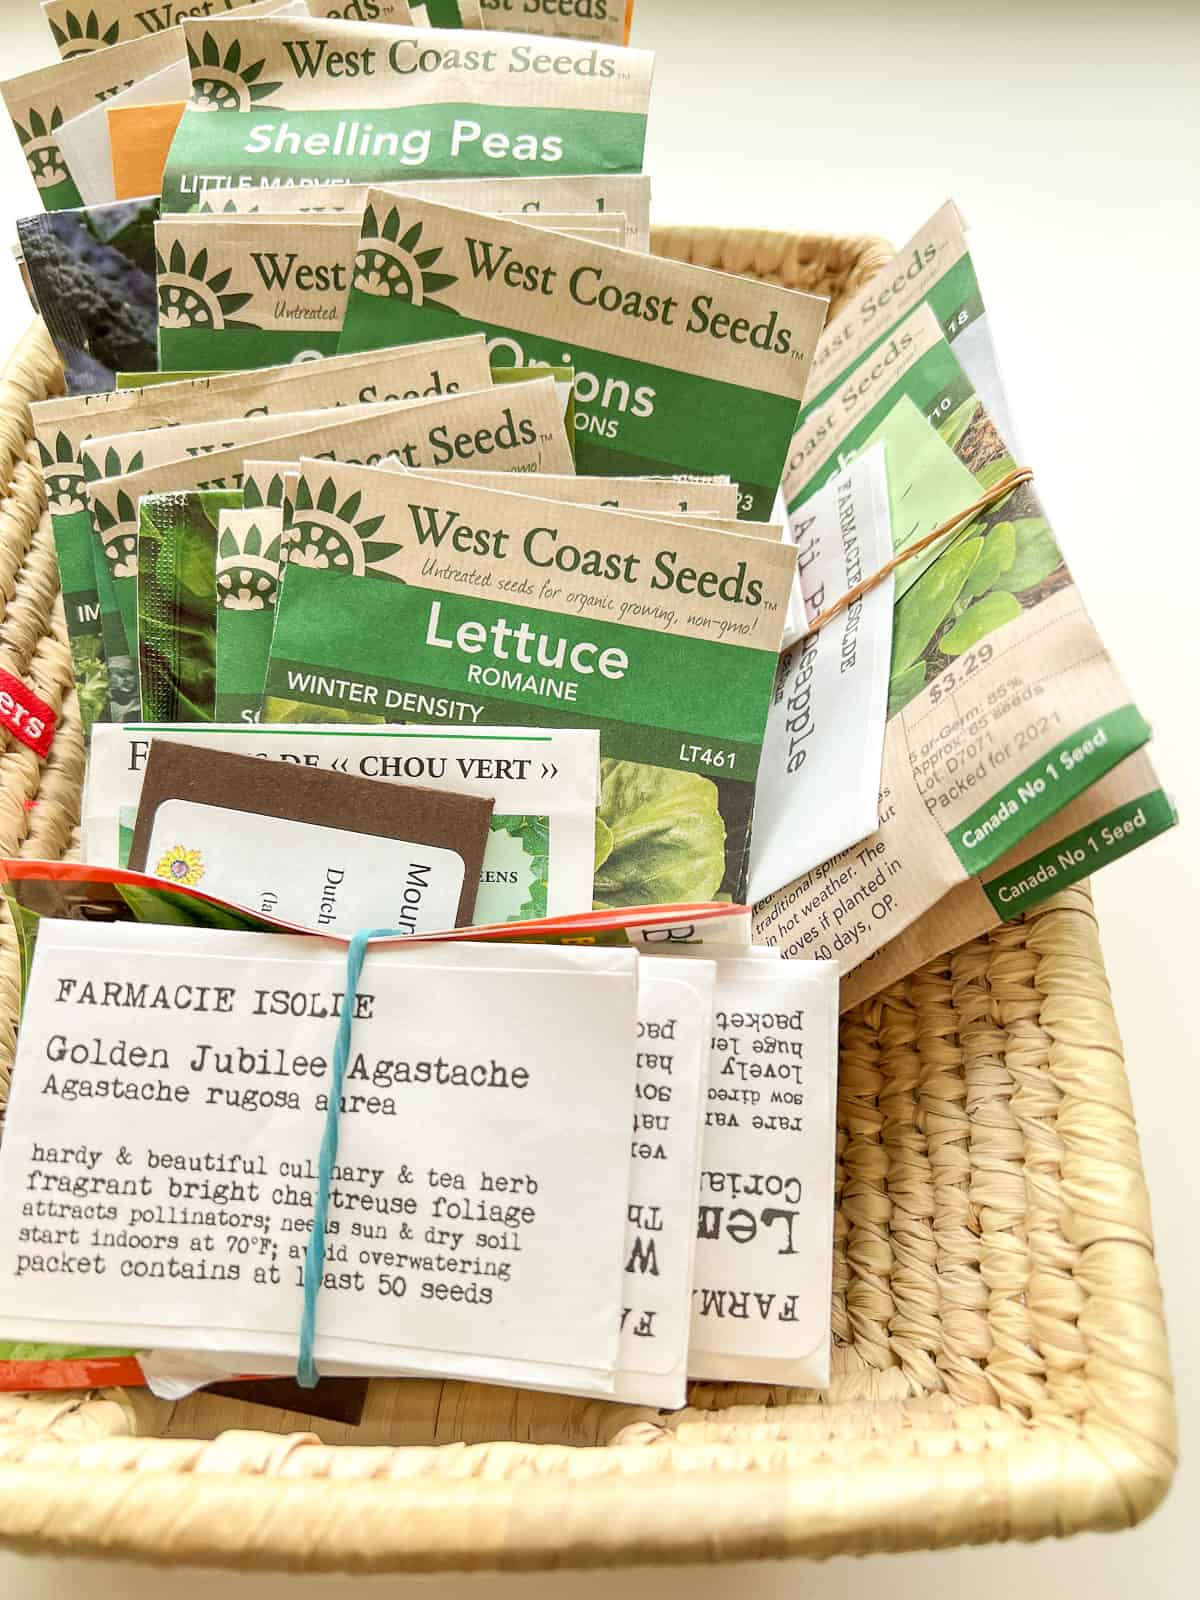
{"x": 307, "y": 1375}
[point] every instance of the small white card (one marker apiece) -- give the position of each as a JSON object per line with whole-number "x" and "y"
{"x": 327, "y": 879}
{"x": 157, "y": 1175}
{"x": 822, "y": 755}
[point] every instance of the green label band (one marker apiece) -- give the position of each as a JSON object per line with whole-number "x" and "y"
{"x": 1072, "y": 765}
{"x": 1080, "y": 854}
{"x": 219, "y": 149}
{"x": 228, "y": 349}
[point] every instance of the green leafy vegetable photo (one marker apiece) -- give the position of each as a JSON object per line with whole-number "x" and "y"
{"x": 660, "y": 837}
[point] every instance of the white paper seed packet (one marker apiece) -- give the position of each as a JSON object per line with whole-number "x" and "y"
{"x": 186, "y": 1072}
{"x": 543, "y": 782}
{"x": 675, "y": 1006}
{"x": 819, "y": 776}
{"x": 764, "y": 1250}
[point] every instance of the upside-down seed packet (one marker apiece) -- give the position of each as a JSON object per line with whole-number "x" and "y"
{"x": 515, "y": 610}
{"x": 601, "y": 193}
{"x": 272, "y": 101}
{"x": 678, "y": 368}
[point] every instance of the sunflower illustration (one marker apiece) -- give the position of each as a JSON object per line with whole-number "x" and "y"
{"x": 79, "y": 38}
{"x": 63, "y": 477}
{"x": 189, "y": 298}
{"x": 40, "y": 144}
{"x": 180, "y": 865}
{"x": 325, "y": 534}
{"x": 221, "y": 83}
{"x": 391, "y": 265}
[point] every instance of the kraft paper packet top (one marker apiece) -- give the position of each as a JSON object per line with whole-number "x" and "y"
{"x": 1003, "y": 707}
{"x": 543, "y": 784}
{"x": 326, "y": 851}
{"x": 935, "y": 269}
{"x": 233, "y": 291}
{"x": 818, "y": 784}
{"x": 39, "y": 102}
{"x": 602, "y": 193}
{"x": 668, "y": 644}
{"x": 482, "y": 1070}
{"x": 365, "y": 103}
{"x": 678, "y": 368}
{"x": 1122, "y": 811}
{"x": 763, "y": 1267}
{"x": 79, "y": 26}
{"x": 60, "y": 426}
{"x": 177, "y": 602}
{"x": 522, "y": 426}
{"x": 251, "y": 290}
{"x": 607, "y": 21}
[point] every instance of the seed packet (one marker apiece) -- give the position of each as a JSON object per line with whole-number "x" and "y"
{"x": 606, "y": 21}
{"x": 324, "y": 851}
{"x": 428, "y": 103}
{"x": 677, "y": 368}
{"x": 935, "y": 269}
{"x": 760, "y": 1305}
{"x": 1003, "y": 704}
{"x": 457, "y": 1055}
{"x": 1122, "y": 811}
{"x": 252, "y": 290}
{"x": 543, "y": 784}
{"x": 60, "y": 426}
{"x": 818, "y": 784}
{"x": 520, "y": 426}
{"x": 512, "y": 610}
{"x": 249, "y": 545}
{"x": 82, "y": 25}
{"x": 601, "y": 193}
{"x": 40, "y": 102}
{"x": 92, "y": 271}
{"x": 177, "y": 602}
{"x": 137, "y": 449}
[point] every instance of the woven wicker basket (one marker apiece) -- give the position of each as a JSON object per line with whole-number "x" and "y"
{"x": 1000, "y": 1366}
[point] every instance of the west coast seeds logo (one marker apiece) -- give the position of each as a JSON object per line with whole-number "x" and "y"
{"x": 189, "y": 298}
{"x": 325, "y": 534}
{"x": 221, "y": 82}
{"x": 247, "y": 570}
{"x": 41, "y": 147}
{"x": 81, "y": 38}
{"x": 63, "y": 476}
{"x": 180, "y": 865}
{"x": 393, "y": 267}
{"x": 120, "y": 549}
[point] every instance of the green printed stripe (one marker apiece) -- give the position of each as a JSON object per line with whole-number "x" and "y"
{"x": 421, "y": 141}
{"x": 1081, "y": 853}
{"x": 1046, "y": 786}
{"x": 631, "y": 416}
{"x": 379, "y": 632}
{"x": 230, "y": 349}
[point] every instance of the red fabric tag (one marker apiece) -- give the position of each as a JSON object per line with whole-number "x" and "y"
{"x": 25, "y": 716}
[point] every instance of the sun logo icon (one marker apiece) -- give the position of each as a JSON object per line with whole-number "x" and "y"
{"x": 63, "y": 476}
{"x": 180, "y": 865}
{"x": 120, "y": 549}
{"x": 393, "y": 267}
{"x": 247, "y": 569}
{"x": 221, "y": 83}
{"x": 325, "y": 534}
{"x": 189, "y": 298}
{"x": 41, "y": 147}
{"x": 81, "y": 38}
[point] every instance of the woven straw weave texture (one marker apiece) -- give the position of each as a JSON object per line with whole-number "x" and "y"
{"x": 1000, "y": 1362}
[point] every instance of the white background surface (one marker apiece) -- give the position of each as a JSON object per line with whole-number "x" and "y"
{"x": 1068, "y": 131}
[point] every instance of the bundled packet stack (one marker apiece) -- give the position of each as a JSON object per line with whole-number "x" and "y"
{"x": 530, "y": 686}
